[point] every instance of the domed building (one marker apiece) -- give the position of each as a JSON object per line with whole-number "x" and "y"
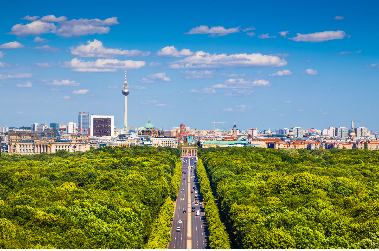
{"x": 150, "y": 130}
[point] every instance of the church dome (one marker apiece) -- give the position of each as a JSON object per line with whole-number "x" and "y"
{"x": 149, "y": 125}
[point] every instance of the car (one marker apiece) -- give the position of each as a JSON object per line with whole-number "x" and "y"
{"x": 178, "y": 229}
{"x": 184, "y": 211}
{"x": 182, "y": 189}
{"x": 201, "y": 207}
{"x": 196, "y": 196}
{"x": 193, "y": 209}
{"x": 184, "y": 178}
{"x": 180, "y": 221}
{"x": 191, "y": 191}
{"x": 196, "y": 203}
{"x": 201, "y": 203}
{"x": 195, "y": 191}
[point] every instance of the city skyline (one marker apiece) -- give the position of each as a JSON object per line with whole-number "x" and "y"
{"x": 265, "y": 65}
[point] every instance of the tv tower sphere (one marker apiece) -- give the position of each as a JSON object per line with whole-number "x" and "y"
{"x": 125, "y": 92}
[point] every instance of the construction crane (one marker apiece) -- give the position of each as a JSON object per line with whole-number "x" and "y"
{"x": 214, "y": 124}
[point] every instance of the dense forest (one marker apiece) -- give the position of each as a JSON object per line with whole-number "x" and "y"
{"x": 291, "y": 198}
{"x": 104, "y": 198}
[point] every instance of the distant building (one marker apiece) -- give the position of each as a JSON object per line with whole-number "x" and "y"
{"x": 164, "y": 142}
{"x": 342, "y": 132}
{"x": 71, "y": 127}
{"x": 83, "y": 122}
{"x": 298, "y": 132}
{"x": 361, "y": 132}
{"x": 54, "y": 126}
{"x": 4, "y": 129}
{"x": 102, "y": 125}
{"x": 284, "y": 131}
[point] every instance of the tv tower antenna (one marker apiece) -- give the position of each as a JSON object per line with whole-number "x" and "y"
{"x": 125, "y": 92}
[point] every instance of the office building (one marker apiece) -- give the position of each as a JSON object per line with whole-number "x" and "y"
{"x": 298, "y": 132}
{"x": 71, "y": 127}
{"x": 342, "y": 132}
{"x": 102, "y": 125}
{"x": 83, "y": 122}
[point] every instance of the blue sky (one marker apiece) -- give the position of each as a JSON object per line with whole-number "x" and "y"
{"x": 266, "y": 64}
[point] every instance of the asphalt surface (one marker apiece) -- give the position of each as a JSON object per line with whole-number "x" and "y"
{"x": 197, "y": 238}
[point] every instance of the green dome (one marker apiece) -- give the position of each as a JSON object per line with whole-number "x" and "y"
{"x": 149, "y": 125}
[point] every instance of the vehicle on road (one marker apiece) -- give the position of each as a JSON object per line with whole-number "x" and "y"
{"x": 193, "y": 209}
{"x": 184, "y": 178}
{"x": 180, "y": 221}
{"x": 201, "y": 207}
{"x": 184, "y": 211}
{"x": 196, "y": 203}
{"x": 191, "y": 191}
{"x": 195, "y": 191}
{"x": 178, "y": 229}
{"x": 182, "y": 189}
{"x": 197, "y": 212}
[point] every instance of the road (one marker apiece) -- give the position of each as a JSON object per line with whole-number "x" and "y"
{"x": 193, "y": 228}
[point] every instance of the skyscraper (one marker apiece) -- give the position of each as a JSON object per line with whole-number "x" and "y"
{"x": 83, "y": 122}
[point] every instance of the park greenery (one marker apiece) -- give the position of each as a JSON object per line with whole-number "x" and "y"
{"x": 279, "y": 199}
{"x": 218, "y": 237}
{"x": 104, "y": 198}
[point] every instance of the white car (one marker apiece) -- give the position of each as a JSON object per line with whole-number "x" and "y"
{"x": 180, "y": 221}
{"x": 178, "y": 229}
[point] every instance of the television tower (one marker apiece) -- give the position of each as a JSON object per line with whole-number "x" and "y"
{"x": 125, "y": 92}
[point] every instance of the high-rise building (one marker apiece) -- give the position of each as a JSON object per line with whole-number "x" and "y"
{"x": 102, "y": 125}
{"x": 298, "y": 132}
{"x": 342, "y": 132}
{"x": 361, "y": 132}
{"x": 83, "y": 122}
{"x": 71, "y": 127}
{"x": 55, "y": 126}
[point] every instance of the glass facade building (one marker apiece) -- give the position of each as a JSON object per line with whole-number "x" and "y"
{"x": 83, "y": 122}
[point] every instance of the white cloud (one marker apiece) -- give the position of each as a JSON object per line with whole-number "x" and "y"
{"x": 282, "y": 55}
{"x": 240, "y": 108}
{"x": 241, "y": 84}
{"x": 24, "y": 75}
{"x": 281, "y": 73}
{"x": 229, "y": 75}
{"x": 171, "y": 51}
{"x": 205, "y": 90}
{"x": 96, "y": 49}
{"x": 300, "y": 110}
{"x": 83, "y": 91}
{"x": 372, "y": 65}
{"x": 160, "y": 105}
{"x": 70, "y": 28}
{"x": 159, "y": 76}
{"x": 64, "y": 82}
{"x": 47, "y": 48}
{"x": 283, "y": 33}
{"x": 29, "y": 18}
{"x": 228, "y": 110}
{"x": 102, "y": 65}
{"x": 66, "y": 97}
{"x": 206, "y": 60}
{"x": 38, "y": 39}
{"x": 214, "y": 31}
{"x": 44, "y": 65}
{"x": 319, "y": 36}
{"x": 147, "y": 102}
{"x": 55, "y": 90}
{"x": 146, "y": 81}
{"x": 82, "y": 27}
{"x": 198, "y": 74}
{"x": 28, "y": 84}
{"x": 52, "y": 18}
{"x": 152, "y": 64}
{"x": 2, "y": 54}
{"x": 251, "y": 34}
{"x": 249, "y": 29}
{"x": 350, "y": 52}
{"x": 288, "y": 101}
{"x": 338, "y": 17}
{"x": 4, "y": 64}
{"x": 32, "y": 29}
{"x": 113, "y": 87}
{"x": 263, "y": 36}
{"x": 311, "y": 72}
{"x": 11, "y": 45}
